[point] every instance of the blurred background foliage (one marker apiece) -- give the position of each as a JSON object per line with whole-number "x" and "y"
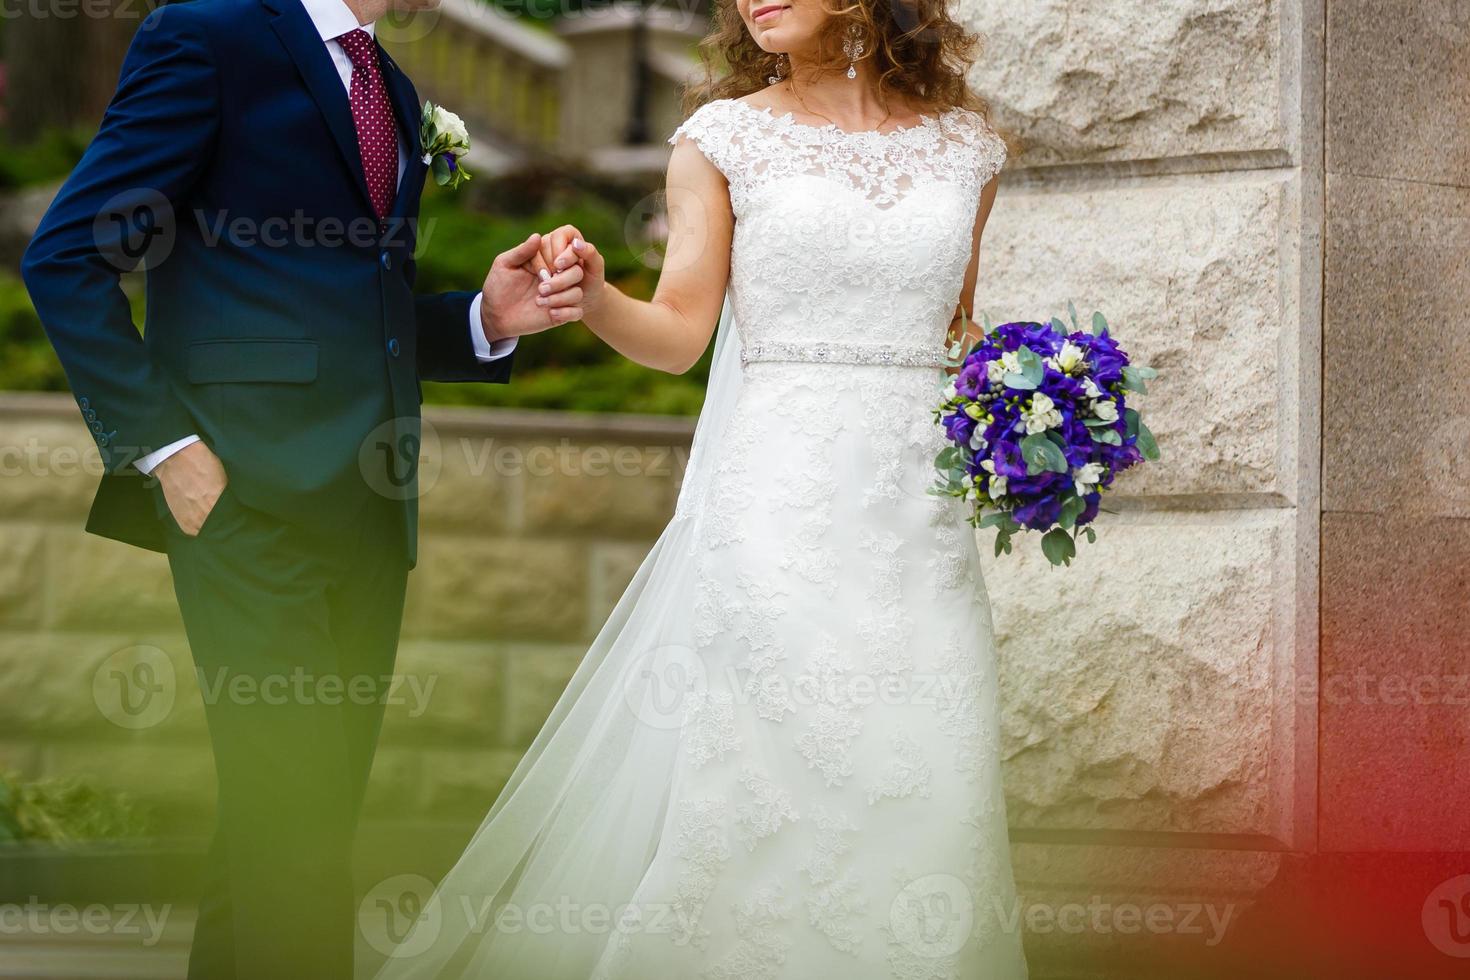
{"x": 67, "y": 811}
{"x": 52, "y": 99}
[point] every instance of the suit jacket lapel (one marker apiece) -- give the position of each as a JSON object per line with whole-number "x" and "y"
{"x": 297, "y": 33}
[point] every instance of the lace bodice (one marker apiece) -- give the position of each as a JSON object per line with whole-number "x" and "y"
{"x": 846, "y": 238}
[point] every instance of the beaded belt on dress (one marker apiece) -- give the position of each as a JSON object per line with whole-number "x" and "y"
{"x": 825, "y": 352}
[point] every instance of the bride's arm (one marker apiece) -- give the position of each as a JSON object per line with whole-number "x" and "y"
{"x": 965, "y": 329}
{"x": 671, "y": 331}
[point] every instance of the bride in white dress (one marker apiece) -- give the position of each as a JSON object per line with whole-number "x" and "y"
{"x": 780, "y": 757}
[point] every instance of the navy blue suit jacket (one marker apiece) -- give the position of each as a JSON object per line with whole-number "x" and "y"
{"x": 282, "y": 325}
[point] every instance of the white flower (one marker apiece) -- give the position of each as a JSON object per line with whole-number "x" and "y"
{"x": 1041, "y": 414}
{"x": 451, "y": 126}
{"x": 997, "y": 483}
{"x": 1086, "y": 477}
{"x": 994, "y": 371}
{"x": 1105, "y": 409}
{"x": 950, "y": 391}
{"x": 1067, "y": 358}
{"x": 977, "y": 440}
{"x": 1090, "y": 388}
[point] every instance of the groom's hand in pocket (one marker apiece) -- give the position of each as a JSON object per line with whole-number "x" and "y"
{"x": 192, "y": 480}
{"x": 521, "y": 296}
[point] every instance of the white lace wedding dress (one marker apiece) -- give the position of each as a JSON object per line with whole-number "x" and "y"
{"x": 780, "y": 759}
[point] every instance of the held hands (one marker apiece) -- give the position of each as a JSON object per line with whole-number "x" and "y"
{"x": 564, "y": 250}
{"x": 522, "y": 295}
{"x": 192, "y": 480}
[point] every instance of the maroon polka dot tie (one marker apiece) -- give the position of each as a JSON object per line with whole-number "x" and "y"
{"x": 372, "y": 114}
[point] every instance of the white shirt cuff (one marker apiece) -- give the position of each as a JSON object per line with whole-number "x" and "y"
{"x": 147, "y": 464}
{"x": 484, "y": 350}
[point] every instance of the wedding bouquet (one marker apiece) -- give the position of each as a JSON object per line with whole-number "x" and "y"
{"x": 1040, "y": 429}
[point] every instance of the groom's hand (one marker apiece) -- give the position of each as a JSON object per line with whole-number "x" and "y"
{"x": 192, "y": 480}
{"x": 566, "y": 249}
{"x": 519, "y": 298}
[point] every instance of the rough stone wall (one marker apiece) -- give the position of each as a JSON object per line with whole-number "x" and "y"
{"x": 533, "y": 526}
{"x": 1160, "y": 710}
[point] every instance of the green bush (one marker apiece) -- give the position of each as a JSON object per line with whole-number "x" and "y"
{"x": 28, "y": 364}
{"x": 64, "y": 811}
{"x": 49, "y": 158}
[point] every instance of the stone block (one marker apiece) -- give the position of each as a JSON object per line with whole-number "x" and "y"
{"x": 1137, "y": 685}
{"x": 1397, "y": 103}
{"x": 604, "y": 489}
{"x": 1395, "y": 687}
{"x": 1395, "y": 425}
{"x": 22, "y": 575}
{"x": 1192, "y": 273}
{"x": 489, "y": 590}
{"x": 99, "y": 584}
{"x": 49, "y": 467}
{"x": 1090, "y": 81}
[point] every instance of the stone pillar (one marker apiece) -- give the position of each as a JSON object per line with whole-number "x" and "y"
{"x": 1159, "y": 696}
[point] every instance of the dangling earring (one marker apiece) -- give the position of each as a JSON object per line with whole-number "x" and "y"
{"x": 853, "y": 48}
{"x": 780, "y": 69}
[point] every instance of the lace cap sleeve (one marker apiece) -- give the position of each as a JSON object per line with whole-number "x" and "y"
{"x": 988, "y": 145}
{"x": 711, "y": 128}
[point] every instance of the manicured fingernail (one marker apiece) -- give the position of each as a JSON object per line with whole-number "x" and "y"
{"x": 545, "y": 288}
{"x": 578, "y": 244}
{"x": 541, "y": 301}
{"x": 545, "y": 276}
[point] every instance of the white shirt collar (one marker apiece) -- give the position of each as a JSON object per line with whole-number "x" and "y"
{"x": 333, "y": 18}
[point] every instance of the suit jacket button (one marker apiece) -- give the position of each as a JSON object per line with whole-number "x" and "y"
{"x": 393, "y": 346}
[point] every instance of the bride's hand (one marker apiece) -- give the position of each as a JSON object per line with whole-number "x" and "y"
{"x": 566, "y": 247}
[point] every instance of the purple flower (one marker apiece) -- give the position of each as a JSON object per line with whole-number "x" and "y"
{"x": 959, "y": 427}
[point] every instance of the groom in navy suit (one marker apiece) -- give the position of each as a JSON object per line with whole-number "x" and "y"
{"x": 261, "y": 160}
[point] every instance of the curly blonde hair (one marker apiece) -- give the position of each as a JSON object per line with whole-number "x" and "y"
{"x": 922, "y": 55}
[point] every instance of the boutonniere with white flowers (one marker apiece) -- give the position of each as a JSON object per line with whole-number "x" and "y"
{"x": 445, "y": 140}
